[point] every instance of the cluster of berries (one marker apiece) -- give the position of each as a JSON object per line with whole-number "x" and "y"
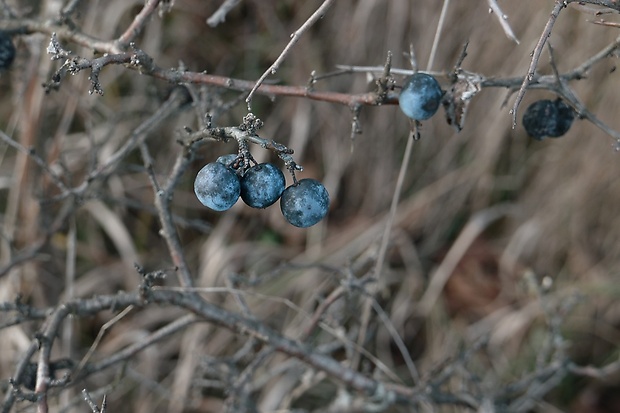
{"x": 219, "y": 185}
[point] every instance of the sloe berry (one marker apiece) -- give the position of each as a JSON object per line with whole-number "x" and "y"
{"x": 262, "y": 185}
{"x": 7, "y": 50}
{"x": 305, "y": 203}
{"x": 217, "y": 186}
{"x": 420, "y": 96}
{"x": 548, "y": 118}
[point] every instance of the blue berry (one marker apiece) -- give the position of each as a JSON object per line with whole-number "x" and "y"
{"x": 262, "y": 185}
{"x": 7, "y": 50}
{"x": 420, "y": 97}
{"x": 548, "y": 118}
{"x": 217, "y": 186}
{"x": 305, "y": 203}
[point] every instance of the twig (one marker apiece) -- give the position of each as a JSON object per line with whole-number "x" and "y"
{"x": 137, "y": 24}
{"x": 378, "y": 268}
{"x": 440, "y": 24}
{"x": 69, "y": 8}
{"x": 605, "y": 23}
{"x": 559, "y": 5}
{"x": 220, "y": 14}
{"x": 102, "y": 331}
{"x": 126, "y": 353}
{"x": 93, "y": 406}
{"x": 163, "y": 198}
{"x": 138, "y": 136}
{"x": 600, "y": 373}
{"x": 36, "y": 158}
{"x": 318, "y": 14}
{"x": 503, "y": 20}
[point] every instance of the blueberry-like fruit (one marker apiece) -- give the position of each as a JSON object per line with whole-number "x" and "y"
{"x": 217, "y": 186}
{"x": 305, "y": 203}
{"x": 262, "y": 185}
{"x": 548, "y": 118}
{"x": 420, "y": 97}
{"x": 7, "y": 50}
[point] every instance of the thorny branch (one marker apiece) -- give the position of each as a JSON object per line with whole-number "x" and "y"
{"x": 241, "y": 324}
{"x": 136, "y": 59}
{"x": 122, "y": 51}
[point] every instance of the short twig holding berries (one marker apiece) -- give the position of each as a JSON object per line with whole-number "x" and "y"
{"x": 220, "y": 184}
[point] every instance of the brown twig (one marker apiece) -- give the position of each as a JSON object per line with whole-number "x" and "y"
{"x": 136, "y": 26}
{"x": 220, "y": 14}
{"x": 559, "y": 5}
{"x": 317, "y": 15}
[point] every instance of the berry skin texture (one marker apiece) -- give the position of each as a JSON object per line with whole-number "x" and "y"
{"x": 262, "y": 185}
{"x": 305, "y": 203}
{"x": 7, "y": 51}
{"x": 420, "y": 97}
{"x": 217, "y": 186}
{"x": 548, "y": 118}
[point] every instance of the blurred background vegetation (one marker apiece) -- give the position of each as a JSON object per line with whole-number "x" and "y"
{"x": 547, "y": 213}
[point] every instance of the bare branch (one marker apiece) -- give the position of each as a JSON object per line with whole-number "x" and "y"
{"x": 503, "y": 20}
{"x": 317, "y": 15}
{"x": 137, "y": 25}
{"x": 220, "y": 14}
{"x": 559, "y": 5}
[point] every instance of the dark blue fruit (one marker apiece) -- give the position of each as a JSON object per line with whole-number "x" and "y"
{"x": 305, "y": 203}
{"x": 262, "y": 185}
{"x": 420, "y": 97}
{"x": 217, "y": 186}
{"x": 7, "y": 50}
{"x": 548, "y": 118}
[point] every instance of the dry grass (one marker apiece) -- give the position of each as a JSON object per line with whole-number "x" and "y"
{"x": 544, "y": 208}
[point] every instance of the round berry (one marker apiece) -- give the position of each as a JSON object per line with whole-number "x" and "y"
{"x": 217, "y": 186}
{"x": 7, "y": 50}
{"x": 552, "y": 118}
{"x": 420, "y": 97}
{"x": 305, "y": 203}
{"x": 262, "y": 185}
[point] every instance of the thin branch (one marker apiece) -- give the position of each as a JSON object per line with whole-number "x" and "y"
{"x": 36, "y": 158}
{"x": 162, "y": 200}
{"x": 440, "y": 24}
{"x": 137, "y": 25}
{"x": 385, "y": 238}
{"x": 503, "y": 20}
{"x": 559, "y": 5}
{"x": 220, "y": 14}
{"x": 91, "y": 403}
{"x": 317, "y": 15}
{"x": 126, "y": 353}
